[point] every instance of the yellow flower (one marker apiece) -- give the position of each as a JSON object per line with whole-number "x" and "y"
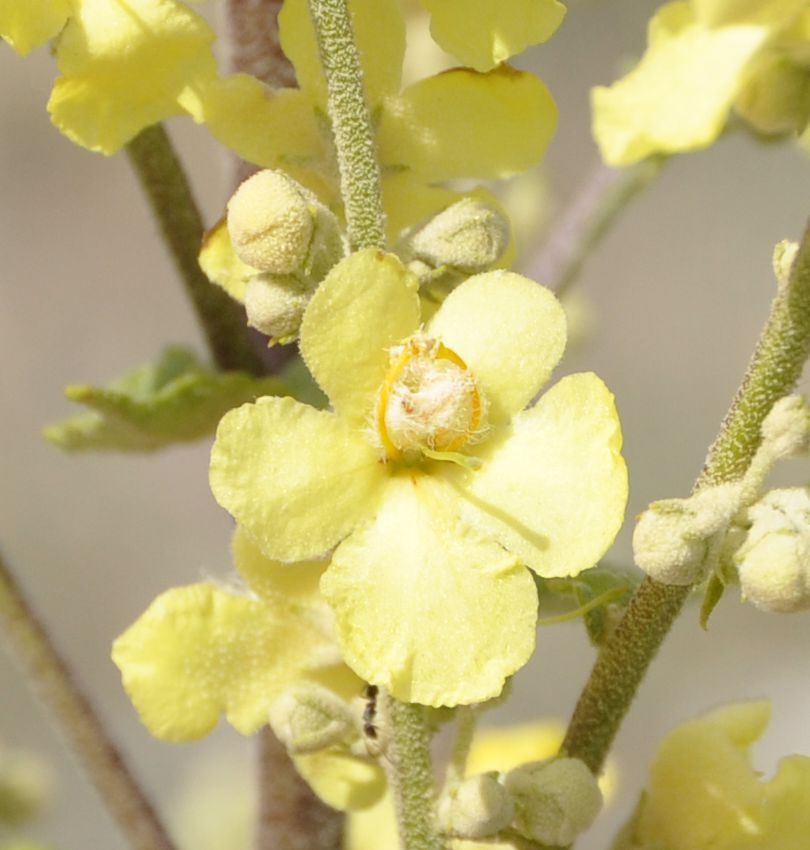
{"x": 703, "y": 793}
{"x": 703, "y": 57}
{"x": 459, "y": 124}
{"x": 483, "y": 33}
{"x": 125, "y": 65}
{"x": 434, "y": 486}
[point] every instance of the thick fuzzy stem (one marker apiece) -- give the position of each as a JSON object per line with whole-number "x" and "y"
{"x": 783, "y": 348}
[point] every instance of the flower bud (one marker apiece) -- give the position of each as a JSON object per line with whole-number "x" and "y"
{"x": 469, "y": 236}
{"x": 672, "y": 539}
{"x": 776, "y": 98}
{"x": 774, "y": 562}
{"x": 554, "y": 800}
{"x": 278, "y": 226}
{"x": 308, "y": 718}
{"x": 477, "y": 807}
{"x": 275, "y": 305}
{"x": 783, "y": 256}
{"x": 23, "y": 787}
{"x": 786, "y": 428}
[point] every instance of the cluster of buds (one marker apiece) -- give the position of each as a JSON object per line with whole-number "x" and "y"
{"x": 550, "y": 802}
{"x": 292, "y": 240}
{"x": 736, "y": 532}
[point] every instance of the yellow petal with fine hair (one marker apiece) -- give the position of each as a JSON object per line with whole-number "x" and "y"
{"x": 484, "y": 33}
{"x": 425, "y": 606}
{"x": 553, "y": 486}
{"x": 509, "y": 331}
{"x": 343, "y": 781}
{"x": 126, "y": 66}
{"x": 366, "y": 304}
{"x": 30, "y": 23}
{"x": 679, "y": 95}
{"x": 220, "y": 263}
{"x": 379, "y": 30}
{"x": 464, "y": 124}
{"x": 197, "y": 653}
{"x": 298, "y": 480}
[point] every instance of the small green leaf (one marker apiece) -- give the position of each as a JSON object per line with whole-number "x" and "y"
{"x": 174, "y": 400}
{"x": 714, "y": 593}
{"x": 601, "y": 595}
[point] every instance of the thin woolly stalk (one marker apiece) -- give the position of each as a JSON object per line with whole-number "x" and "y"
{"x": 360, "y": 179}
{"x": 586, "y": 221}
{"x": 783, "y": 348}
{"x": 410, "y": 772}
{"x": 78, "y": 721}
{"x": 466, "y": 721}
{"x": 164, "y": 182}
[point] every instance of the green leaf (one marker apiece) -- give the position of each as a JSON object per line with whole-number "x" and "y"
{"x": 714, "y": 593}
{"x": 601, "y": 595}
{"x": 175, "y": 400}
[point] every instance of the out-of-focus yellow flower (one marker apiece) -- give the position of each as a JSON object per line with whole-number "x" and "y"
{"x": 484, "y": 33}
{"x": 124, "y": 65}
{"x": 703, "y": 793}
{"x": 458, "y": 124}
{"x": 429, "y": 478}
{"x": 703, "y": 57}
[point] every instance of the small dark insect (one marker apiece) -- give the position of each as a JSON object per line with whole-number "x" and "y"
{"x": 370, "y": 712}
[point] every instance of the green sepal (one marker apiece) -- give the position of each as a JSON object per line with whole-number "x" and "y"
{"x": 713, "y": 594}
{"x": 174, "y": 400}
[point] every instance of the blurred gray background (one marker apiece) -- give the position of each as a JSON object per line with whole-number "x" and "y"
{"x": 679, "y": 291}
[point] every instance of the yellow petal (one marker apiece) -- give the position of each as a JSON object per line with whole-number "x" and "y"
{"x": 343, "y": 781}
{"x": 30, "y": 23}
{"x": 268, "y": 128}
{"x": 379, "y": 31}
{"x": 284, "y": 587}
{"x": 702, "y": 790}
{"x": 366, "y": 304}
{"x": 373, "y": 829}
{"x": 717, "y": 13}
{"x": 408, "y": 199}
{"x": 126, "y": 66}
{"x": 221, "y": 265}
{"x": 464, "y": 124}
{"x": 507, "y": 747}
{"x": 678, "y": 97}
{"x": 484, "y": 33}
{"x": 425, "y": 607}
{"x": 509, "y": 331}
{"x": 553, "y": 487}
{"x": 787, "y": 815}
{"x": 197, "y": 653}
{"x": 297, "y": 479}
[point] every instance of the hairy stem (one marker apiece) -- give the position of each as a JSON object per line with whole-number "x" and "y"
{"x": 410, "y": 773}
{"x": 588, "y": 219}
{"x": 78, "y": 721}
{"x": 781, "y": 352}
{"x": 164, "y": 182}
{"x": 360, "y": 180}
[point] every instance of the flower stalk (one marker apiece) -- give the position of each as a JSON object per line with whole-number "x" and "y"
{"x": 78, "y": 721}
{"x": 778, "y": 359}
{"x": 353, "y": 132}
{"x": 161, "y": 175}
{"x": 410, "y": 772}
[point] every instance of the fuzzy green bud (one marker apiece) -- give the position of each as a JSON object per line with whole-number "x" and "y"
{"x": 773, "y": 564}
{"x": 786, "y": 428}
{"x": 673, "y": 538}
{"x": 477, "y": 807}
{"x": 776, "y": 98}
{"x": 469, "y": 237}
{"x": 554, "y": 800}
{"x": 783, "y": 256}
{"x": 278, "y": 226}
{"x": 308, "y": 718}
{"x": 24, "y": 785}
{"x": 275, "y": 305}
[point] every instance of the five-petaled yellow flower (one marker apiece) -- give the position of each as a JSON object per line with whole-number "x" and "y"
{"x": 435, "y": 486}
{"x": 705, "y": 57}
